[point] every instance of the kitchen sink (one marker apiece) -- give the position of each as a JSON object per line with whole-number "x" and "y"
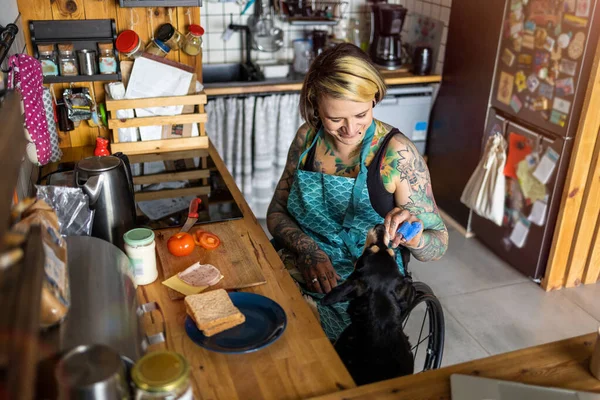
{"x": 229, "y": 73}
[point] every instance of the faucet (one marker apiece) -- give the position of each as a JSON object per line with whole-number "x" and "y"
{"x": 253, "y": 71}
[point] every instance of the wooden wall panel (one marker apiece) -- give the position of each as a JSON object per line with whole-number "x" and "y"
{"x": 592, "y": 273}
{"x": 571, "y": 247}
{"x": 126, "y": 18}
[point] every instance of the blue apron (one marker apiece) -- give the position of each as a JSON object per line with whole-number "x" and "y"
{"x": 336, "y": 212}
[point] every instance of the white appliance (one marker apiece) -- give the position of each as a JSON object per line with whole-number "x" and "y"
{"x": 408, "y": 109}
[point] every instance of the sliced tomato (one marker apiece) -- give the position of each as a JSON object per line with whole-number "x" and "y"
{"x": 206, "y": 239}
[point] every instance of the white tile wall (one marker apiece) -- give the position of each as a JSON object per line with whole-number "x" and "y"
{"x": 216, "y": 17}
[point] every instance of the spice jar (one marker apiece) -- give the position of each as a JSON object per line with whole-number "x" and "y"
{"x": 129, "y": 44}
{"x": 158, "y": 48}
{"x": 162, "y": 375}
{"x": 67, "y": 61}
{"x": 140, "y": 247}
{"x": 107, "y": 61}
{"x": 193, "y": 40}
{"x": 48, "y": 59}
{"x": 170, "y": 36}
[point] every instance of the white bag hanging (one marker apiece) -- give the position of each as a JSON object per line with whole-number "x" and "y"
{"x": 485, "y": 191}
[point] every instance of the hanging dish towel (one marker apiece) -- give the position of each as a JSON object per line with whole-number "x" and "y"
{"x": 26, "y": 77}
{"x": 49, "y": 111}
{"x": 485, "y": 191}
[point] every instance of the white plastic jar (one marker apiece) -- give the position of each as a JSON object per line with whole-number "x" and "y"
{"x": 140, "y": 248}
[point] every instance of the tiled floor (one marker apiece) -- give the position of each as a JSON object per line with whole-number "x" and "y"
{"x": 490, "y": 308}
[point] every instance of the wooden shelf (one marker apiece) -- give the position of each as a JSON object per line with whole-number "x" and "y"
{"x": 82, "y": 78}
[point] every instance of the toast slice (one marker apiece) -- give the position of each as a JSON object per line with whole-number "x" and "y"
{"x": 213, "y": 309}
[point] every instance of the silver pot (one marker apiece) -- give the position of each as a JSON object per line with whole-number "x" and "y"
{"x": 92, "y": 372}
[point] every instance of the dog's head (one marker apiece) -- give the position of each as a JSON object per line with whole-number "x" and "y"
{"x": 375, "y": 271}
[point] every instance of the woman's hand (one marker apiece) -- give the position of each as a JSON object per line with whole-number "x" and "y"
{"x": 393, "y": 220}
{"x": 318, "y": 272}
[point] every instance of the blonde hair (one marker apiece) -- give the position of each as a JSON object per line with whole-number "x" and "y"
{"x": 342, "y": 72}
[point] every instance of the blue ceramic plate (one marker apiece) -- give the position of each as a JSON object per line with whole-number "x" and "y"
{"x": 265, "y": 323}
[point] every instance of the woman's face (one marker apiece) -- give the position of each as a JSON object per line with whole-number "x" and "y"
{"x": 346, "y": 121}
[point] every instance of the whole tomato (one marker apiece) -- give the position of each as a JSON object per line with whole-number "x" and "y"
{"x": 181, "y": 244}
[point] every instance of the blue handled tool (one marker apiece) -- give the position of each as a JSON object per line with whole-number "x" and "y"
{"x": 409, "y": 230}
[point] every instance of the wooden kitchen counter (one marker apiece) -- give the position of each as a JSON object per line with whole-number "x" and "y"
{"x": 563, "y": 364}
{"x": 392, "y": 78}
{"x": 301, "y": 364}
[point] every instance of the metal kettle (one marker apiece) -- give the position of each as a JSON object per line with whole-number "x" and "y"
{"x": 108, "y": 183}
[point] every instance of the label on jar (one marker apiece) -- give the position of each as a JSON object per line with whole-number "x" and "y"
{"x": 108, "y": 65}
{"x": 68, "y": 68}
{"x": 137, "y": 266}
{"x": 49, "y": 68}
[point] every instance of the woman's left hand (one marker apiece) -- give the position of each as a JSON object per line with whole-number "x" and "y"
{"x": 393, "y": 220}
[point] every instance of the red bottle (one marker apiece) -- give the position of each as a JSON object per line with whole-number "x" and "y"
{"x": 101, "y": 147}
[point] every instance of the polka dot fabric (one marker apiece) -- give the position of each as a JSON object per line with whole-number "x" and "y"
{"x": 26, "y": 77}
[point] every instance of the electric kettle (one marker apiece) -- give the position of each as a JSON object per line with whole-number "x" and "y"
{"x": 108, "y": 183}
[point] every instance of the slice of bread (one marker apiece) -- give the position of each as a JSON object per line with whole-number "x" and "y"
{"x": 213, "y": 309}
{"x": 224, "y": 326}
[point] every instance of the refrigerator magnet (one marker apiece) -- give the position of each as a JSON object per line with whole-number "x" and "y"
{"x": 541, "y": 59}
{"x": 576, "y": 22}
{"x": 577, "y": 46}
{"x": 545, "y": 115}
{"x": 540, "y": 104}
{"x": 563, "y": 40}
{"x": 546, "y": 90}
{"x": 532, "y": 83}
{"x": 558, "y": 118}
{"x": 540, "y": 35}
{"x": 561, "y": 105}
{"x": 583, "y": 8}
{"x": 508, "y": 57}
{"x": 524, "y": 60}
{"x": 530, "y": 26}
{"x": 519, "y": 233}
{"x": 528, "y": 41}
{"x": 537, "y": 215}
{"x": 516, "y": 104}
{"x": 569, "y": 6}
{"x": 564, "y": 87}
{"x": 549, "y": 43}
{"x": 543, "y": 73}
{"x": 517, "y": 44}
{"x": 546, "y": 167}
{"x": 520, "y": 81}
{"x": 568, "y": 67}
{"x": 505, "y": 88}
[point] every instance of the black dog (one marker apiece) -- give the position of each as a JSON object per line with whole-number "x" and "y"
{"x": 374, "y": 346}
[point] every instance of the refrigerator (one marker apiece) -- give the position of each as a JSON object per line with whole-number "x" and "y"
{"x": 544, "y": 54}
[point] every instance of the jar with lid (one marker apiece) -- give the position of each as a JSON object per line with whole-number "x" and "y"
{"x": 193, "y": 40}
{"x": 170, "y": 36}
{"x": 140, "y": 248}
{"x": 163, "y": 375}
{"x": 158, "y": 48}
{"x": 107, "y": 61}
{"x": 129, "y": 44}
{"x": 67, "y": 61}
{"x": 48, "y": 59}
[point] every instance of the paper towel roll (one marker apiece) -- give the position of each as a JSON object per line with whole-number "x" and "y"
{"x": 595, "y": 362}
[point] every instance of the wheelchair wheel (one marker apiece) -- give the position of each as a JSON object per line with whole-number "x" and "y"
{"x": 424, "y": 320}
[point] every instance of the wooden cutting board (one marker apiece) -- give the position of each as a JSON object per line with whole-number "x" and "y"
{"x": 234, "y": 257}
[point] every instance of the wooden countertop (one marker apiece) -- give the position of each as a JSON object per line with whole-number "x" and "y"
{"x": 301, "y": 364}
{"x": 563, "y": 364}
{"x": 392, "y": 78}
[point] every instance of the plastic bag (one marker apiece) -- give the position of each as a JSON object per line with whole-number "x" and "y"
{"x": 485, "y": 191}
{"x": 79, "y": 102}
{"x": 56, "y": 296}
{"x": 72, "y": 209}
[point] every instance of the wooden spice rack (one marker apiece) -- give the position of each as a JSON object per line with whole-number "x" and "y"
{"x": 163, "y": 145}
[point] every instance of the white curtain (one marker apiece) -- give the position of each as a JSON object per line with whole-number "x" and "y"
{"x": 253, "y": 135}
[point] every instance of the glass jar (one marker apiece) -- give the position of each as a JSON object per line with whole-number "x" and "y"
{"x": 158, "y": 48}
{"x": 193, "y": 40}
{"x": 49, "y": 62}
{"x": 140, "y": 248}
{"x": 129, "y": 44}
{"x": 68, "y": 63}
{"x": 170, "y": 36}
{"x": 162, "y": 375}
{"x": 107, "y": 61}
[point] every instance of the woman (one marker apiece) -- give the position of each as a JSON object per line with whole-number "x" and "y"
{"x": 345, "y": 173}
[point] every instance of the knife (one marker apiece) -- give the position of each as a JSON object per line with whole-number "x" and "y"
{"x": 192, "y": 215}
